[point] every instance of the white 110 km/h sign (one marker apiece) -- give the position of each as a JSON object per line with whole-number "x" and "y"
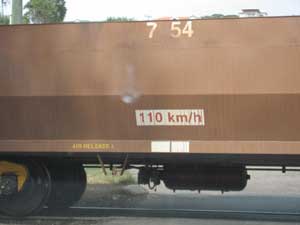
{"x": 170, "y": 117}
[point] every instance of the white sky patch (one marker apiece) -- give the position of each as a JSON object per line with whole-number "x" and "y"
{"x": 95, "y": 10}
{"x": 98, "y": 10}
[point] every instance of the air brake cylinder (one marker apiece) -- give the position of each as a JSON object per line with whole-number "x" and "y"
{"x": 206, "y": 178}
{"x": 198, "y": 178}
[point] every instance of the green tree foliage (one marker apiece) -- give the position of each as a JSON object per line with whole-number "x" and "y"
{"x": 231, "y": 16}
{"x": 118, "y": 19}
{"x": 45, "y": 11}
{"x": 4, "y": 20}
{"x": 219, "y": 16}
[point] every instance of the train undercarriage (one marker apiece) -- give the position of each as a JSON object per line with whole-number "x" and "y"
{"x": 28, "y": 184}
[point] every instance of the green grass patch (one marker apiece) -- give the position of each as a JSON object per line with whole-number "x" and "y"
{"x": 96, "y": 176}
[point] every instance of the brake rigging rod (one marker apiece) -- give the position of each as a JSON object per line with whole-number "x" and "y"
{"x": 102, "y": 164}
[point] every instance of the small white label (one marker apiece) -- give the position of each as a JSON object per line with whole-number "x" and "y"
{"x": 180, "y": 146}
{"x": 160, "y": 146}
{"x": 170, "y": 146}
{"x": 170, "y": 117}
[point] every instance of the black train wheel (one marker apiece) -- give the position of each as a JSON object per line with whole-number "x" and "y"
{"x": 68, "y": 184}
{"x": 33, "y": 195}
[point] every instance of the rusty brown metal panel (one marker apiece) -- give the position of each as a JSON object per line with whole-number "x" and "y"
{"x": 227, "y": 117}
{"x": 68, "y": 83}
{"x": 234, "y": 56}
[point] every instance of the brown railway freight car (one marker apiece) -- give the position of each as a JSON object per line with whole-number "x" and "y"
{"x": 191, "y": 103}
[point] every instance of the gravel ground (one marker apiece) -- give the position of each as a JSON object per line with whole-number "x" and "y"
{"x": 145, "y": 221}
{"x": 108, "y": 195}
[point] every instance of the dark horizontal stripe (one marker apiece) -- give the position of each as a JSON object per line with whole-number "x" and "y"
{"x": 272, "y": 117}
{"x": 160, "y": 158}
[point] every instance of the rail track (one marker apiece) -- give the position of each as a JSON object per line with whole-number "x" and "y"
{"x": 95, "y": 213}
